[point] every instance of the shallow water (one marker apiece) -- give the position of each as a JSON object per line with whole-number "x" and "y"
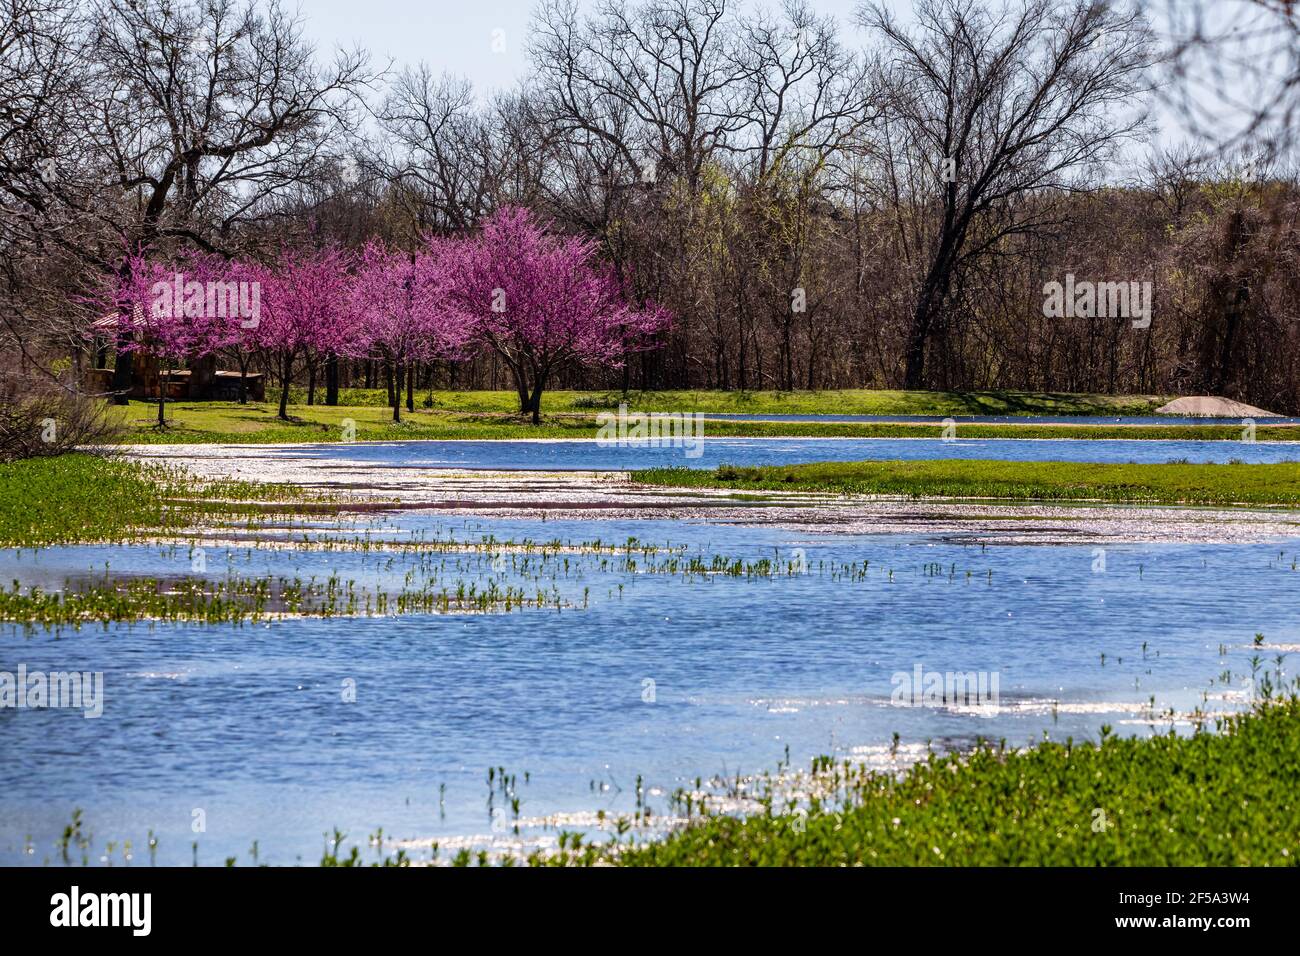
{"x": 250, "y": 725}
{"x": 592, "y": 455}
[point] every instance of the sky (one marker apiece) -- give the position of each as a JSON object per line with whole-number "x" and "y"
{"x": 485, "y": 40}
{"x": 482, "y": 40}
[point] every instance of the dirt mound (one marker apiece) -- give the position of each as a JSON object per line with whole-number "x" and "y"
{"x": 1206, "y": 406}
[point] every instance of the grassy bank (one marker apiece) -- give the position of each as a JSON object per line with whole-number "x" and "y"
{"x": 1034, "y": 481}
{"x": 256, "y": 423}
{"x": 1230, "y": 798}
{"x": 73, "y": 498}
{"x": 850, "y": 401}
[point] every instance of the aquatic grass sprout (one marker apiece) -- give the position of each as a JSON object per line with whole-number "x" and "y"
{"x": 237, "y": 600}
{"x": 1223, "y": 795}
{"x": 437, "y": 576}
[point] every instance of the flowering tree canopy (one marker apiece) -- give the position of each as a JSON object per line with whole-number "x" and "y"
{"x": 172, "y": 313}
{"x": 306, "y": 307}
{"x": 400, "y": 301}
{"x": 543, "y": 302}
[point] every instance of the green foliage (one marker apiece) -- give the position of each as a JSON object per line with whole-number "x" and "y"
{"x": 1230, "y": 798}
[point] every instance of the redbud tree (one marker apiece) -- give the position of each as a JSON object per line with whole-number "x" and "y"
{"x": 400, "y": 302}
{"x": 173, "y": 313}
{"x": 542, "y": 301}
{"x": 306, "y": 306}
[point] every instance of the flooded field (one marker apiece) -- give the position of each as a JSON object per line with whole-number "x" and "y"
{"x": 594, "y": 455}
{"x": 662, "y": 643}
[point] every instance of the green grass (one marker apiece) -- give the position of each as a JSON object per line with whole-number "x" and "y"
{"x": 851, "y": 401}
{"x": 490, "y": 418}
{"x": 255, "y": 423}
{"x": 1036, "y": 481}
{"x": 1230, "y": 798}
{"x": 74, "y": 498}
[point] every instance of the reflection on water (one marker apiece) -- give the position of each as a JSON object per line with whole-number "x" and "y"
{"x": 279, "y": 731}
{"x": 592, "y": 456}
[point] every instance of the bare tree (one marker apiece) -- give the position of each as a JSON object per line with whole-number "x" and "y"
{"x": 803, "y": 91}
{"x": 437, "y": 148}
{"x": 672, "y": 64}
{"x": 1235, "y": 67}
{"x": 998, "y": 104}
{"x": 183, "y": 122}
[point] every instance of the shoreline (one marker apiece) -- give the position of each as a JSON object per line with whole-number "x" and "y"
{"x": 140, "y": 447}
{"x": 600, "y": 496}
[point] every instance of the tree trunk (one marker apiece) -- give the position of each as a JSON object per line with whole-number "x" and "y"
{"x": 286, "y": 372}
{"x": 521, "y": 386}
{"x": 918, "y": 336}
{"x": 742, "y": 376}
{"x": 410, "y": 388}
{"x": 162, "y": 398}
{"x": 332, "y": 380}
{"x": 311, "y": 383}
{"x": 535, "y": 403}
{"x": 812, "y": 363}
{"x": 787, "y": 357}
{"x": 395, "y": 392}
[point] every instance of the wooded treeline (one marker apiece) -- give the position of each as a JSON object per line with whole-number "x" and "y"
{"x": 820, "y": 205}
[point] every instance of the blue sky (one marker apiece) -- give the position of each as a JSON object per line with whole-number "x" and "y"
{"x": 459, "y": 36}
{"x": 456, "y": 36}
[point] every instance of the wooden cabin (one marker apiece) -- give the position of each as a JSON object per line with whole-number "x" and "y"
{"x": 200, "y": 381}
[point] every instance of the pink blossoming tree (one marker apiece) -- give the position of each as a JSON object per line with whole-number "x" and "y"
{"x": 306, "y": 306}
{"x": 241, "y": 344}
{"x": 400, "y": 300}
{"x": 171, "y": 313}
{"x": 542, "y": 301}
